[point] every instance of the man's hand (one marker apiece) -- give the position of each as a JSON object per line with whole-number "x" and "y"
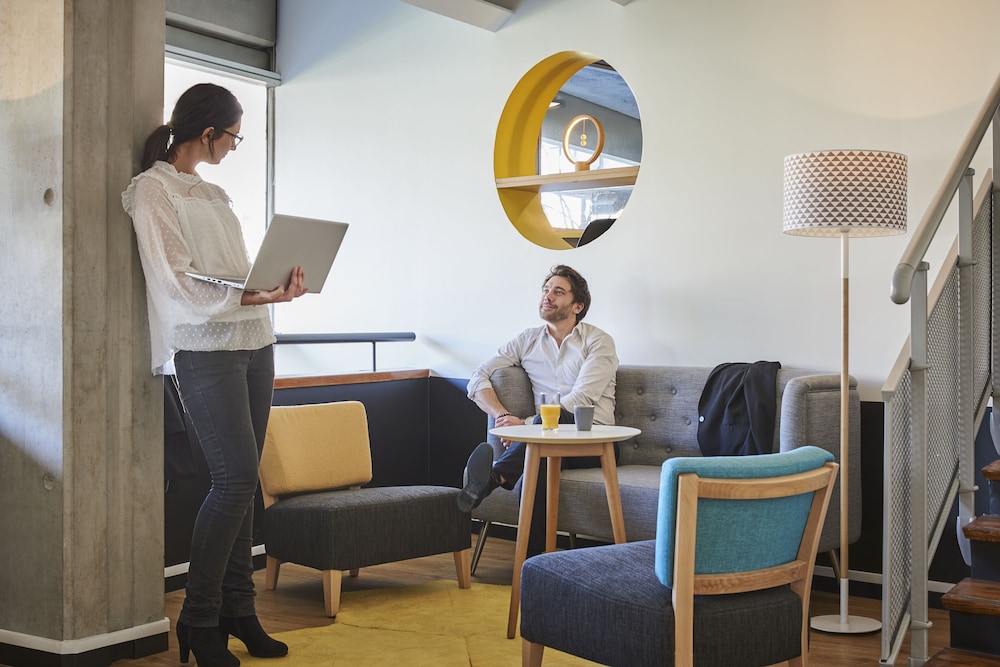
{"x": 507, "y": 420}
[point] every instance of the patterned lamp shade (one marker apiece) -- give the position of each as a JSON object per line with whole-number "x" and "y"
{"x": 830, "y": 193}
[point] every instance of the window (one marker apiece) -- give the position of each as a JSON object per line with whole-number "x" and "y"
{"x": 243, "y": 174}
{"x": 573, "y": 209}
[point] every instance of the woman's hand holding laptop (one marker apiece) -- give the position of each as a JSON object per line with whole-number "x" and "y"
{"x": 294, "y": 289}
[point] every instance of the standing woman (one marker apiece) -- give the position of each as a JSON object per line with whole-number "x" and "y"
{"x": 219, "y": 342}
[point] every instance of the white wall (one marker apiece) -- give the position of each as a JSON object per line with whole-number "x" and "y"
{"x": 387, "y": 115}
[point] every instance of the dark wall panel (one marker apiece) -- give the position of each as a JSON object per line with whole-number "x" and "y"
{"x": 397, "y": 424}
{"x": 457, "y": 425}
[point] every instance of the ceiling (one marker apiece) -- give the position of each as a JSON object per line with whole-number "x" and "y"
{"x": 600, "y": 84}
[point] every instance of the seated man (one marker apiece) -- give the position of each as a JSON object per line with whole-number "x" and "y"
{"x": 566, "y": 355}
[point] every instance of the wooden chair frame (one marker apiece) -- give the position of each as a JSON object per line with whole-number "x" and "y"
{"x": 797, "y": 573}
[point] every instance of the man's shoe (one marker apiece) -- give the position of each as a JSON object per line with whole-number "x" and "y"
{"x": 479, "y": 478}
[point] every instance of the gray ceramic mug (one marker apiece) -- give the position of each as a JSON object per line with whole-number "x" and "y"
{"x": 583, "y": 415}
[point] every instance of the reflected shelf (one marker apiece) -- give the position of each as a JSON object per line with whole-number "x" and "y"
{"x": 573, "y": 180}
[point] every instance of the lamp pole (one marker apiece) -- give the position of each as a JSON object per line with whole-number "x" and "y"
{"x": 845, "y": 623}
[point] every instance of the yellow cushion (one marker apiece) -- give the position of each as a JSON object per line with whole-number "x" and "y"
{"x": 315, "y": 448}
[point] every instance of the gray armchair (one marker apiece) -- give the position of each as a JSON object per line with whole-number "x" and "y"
{"x": 315, "y": 462}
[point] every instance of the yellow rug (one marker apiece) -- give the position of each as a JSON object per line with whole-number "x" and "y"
{"x": 436, "y": 624}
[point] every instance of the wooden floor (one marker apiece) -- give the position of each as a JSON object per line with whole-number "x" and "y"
{"x": 298, "y": 603}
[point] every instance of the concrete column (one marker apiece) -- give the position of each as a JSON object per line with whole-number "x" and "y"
{"x": 81, "y": 496}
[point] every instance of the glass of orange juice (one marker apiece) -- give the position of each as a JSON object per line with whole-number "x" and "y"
{"x": 549, "y": 408}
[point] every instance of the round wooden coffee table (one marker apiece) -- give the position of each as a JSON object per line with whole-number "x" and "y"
{"x": 554, "y": 445}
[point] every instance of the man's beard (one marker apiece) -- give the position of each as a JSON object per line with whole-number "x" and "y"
{"x": 557, "y": 315}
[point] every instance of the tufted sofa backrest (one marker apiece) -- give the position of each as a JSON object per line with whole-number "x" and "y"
{"x": 661, "y": 401}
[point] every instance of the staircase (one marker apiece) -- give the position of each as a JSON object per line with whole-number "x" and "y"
{"x": 974, "y": 603}
{"x": 936, "y": 396}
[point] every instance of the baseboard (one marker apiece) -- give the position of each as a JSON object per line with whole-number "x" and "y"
{"x": 23, "y": 650}
{"x": 875, "y": 578}
{"x": 182, "y": 568}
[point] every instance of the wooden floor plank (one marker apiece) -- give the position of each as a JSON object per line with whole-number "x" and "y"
{"x": 951, "y": 657}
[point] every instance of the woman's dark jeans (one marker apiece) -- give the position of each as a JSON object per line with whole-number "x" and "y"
{"x": 227, "y": 395}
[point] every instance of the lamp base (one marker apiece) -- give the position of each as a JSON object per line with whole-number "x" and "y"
{"x": 854, "y": 625}
{"x": 844, "y": 623}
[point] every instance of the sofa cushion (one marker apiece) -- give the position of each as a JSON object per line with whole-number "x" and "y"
{"x": 583, "y": 502}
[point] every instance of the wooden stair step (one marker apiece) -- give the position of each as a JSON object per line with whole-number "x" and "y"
{"x": 953, "y": 657}
{"x": 992, "y": 471}
{"x": 973, "y": 596}
{"x": 985, "y": 528}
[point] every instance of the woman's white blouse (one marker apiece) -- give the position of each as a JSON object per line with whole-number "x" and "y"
{"x": 183, "y": 223}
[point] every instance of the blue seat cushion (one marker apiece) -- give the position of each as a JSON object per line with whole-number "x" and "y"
{"x": 606, "y": 604}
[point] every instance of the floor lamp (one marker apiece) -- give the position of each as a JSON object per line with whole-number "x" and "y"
{"x": 844, "y": 194}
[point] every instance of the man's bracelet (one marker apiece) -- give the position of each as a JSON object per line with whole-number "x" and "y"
{"x": 506, "y": 414}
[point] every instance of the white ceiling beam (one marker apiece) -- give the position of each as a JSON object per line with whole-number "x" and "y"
{"x": 482, "y": 14}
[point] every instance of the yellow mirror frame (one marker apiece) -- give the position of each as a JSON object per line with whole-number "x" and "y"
{"x": 516, "y": 150}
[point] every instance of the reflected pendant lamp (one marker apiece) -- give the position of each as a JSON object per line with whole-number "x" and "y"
{"x": 845, "y": 193}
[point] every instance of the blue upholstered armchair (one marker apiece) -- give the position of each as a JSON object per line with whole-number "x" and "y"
{"x": 725, "y": 582}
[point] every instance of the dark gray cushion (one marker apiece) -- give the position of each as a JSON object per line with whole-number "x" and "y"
{"x": 605, "y": 604}
{"x": 353, "y": 528}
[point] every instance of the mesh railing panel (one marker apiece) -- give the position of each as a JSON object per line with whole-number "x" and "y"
{"x": 898, "y": 522}
{"x": 982, "y": 244}
{"x": 944, "y": 396}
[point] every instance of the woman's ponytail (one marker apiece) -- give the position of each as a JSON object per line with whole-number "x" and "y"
{"x": 157, "y": 146}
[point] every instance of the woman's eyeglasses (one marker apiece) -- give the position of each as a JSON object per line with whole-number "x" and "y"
{"x": 236, "y": 138}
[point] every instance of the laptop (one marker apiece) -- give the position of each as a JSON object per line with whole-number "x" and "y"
{"x": 289, "y": 242}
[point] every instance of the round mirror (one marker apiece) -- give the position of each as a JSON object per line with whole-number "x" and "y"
{"x": 568, "y": 149}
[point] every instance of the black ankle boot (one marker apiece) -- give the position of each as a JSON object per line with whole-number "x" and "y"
{"x": 207, "y": 644}
{"x": 247, "y": 629}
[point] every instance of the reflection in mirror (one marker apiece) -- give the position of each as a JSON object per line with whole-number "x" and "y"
{"x": 594, "y": 229}
{"x": 596, "y": 90}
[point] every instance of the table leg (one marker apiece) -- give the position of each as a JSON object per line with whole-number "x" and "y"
{"x": 553, "y": 467}
{"x": 610, "y": 470}
{"x": 529, "y": 481}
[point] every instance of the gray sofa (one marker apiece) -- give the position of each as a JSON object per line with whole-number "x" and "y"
{"x": 662, "y": 401}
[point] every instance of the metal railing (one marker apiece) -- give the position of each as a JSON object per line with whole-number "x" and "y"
{"x": 373, "y": 338}
{"x": 938, "y": 390}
